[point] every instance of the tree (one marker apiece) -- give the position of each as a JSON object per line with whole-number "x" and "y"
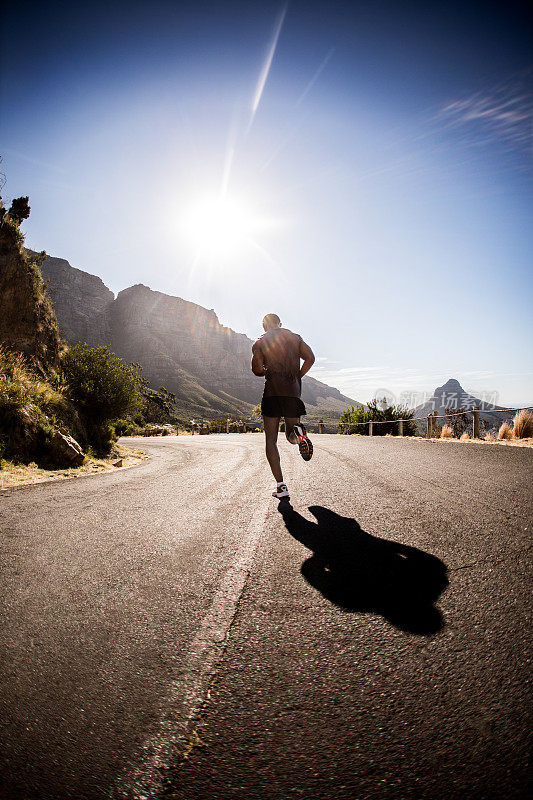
{"x": 20, "y": 209}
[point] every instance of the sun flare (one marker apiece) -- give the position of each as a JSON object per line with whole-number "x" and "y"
{"x": 219, "y": 226}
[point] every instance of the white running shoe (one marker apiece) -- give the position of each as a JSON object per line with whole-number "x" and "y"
{"x": 281, "y": 491}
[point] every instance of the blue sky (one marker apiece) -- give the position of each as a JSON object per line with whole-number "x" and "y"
{"x": 376, "y": 159}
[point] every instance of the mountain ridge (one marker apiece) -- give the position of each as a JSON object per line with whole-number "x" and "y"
{"x": 179, "y": 344}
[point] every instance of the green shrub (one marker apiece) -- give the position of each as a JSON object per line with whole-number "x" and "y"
{"x": 104, "y": 388}
{"x": 352, "y": 418}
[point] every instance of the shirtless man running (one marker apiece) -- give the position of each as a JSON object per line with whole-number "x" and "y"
{"x": 276, "y": 355}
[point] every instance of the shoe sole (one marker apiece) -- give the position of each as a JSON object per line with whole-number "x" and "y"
{"x": 305, "y": 446}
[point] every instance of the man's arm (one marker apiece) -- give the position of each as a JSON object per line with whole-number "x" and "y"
{"x": 258, "y": 363}
{"x": 308, "y": 356}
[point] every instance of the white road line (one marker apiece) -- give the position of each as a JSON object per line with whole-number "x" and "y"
{"x": 189, "y": 691}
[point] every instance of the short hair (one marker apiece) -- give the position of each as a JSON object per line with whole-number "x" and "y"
{"x": 271, "y": 321}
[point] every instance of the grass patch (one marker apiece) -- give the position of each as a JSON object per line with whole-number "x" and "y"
{"x": 505, "y": 432}
{"x": 523, "y": 424}
{"x": 19, "y": 385}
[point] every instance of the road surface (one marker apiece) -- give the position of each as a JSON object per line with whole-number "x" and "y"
{"x": 169, "y": 632}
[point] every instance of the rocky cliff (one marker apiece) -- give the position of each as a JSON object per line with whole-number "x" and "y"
{"x": 82, "y": 301}
{"x": 27, "y": 321}
{"x": 179, "y": 344}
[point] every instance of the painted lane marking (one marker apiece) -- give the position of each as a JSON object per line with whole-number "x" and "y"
{"x": 189, "y": 692}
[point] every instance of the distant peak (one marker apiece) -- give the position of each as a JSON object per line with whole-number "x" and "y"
{"x": 451, "y": 385}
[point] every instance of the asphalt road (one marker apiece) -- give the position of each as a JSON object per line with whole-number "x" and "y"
{"x": 168, "y": 631}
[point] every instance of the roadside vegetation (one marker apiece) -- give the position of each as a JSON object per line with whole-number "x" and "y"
{"x": 355, "y": 420}
{"x": 103, "y": 388}
{"x": 523, "y": 424}
{"x": 457, "y": 425}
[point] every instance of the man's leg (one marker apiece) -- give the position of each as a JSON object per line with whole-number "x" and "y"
{"x": 271, "y": 425}
{"x": 290, "y": 422}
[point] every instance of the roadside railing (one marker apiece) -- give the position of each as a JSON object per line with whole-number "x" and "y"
{"x": 330, "y": 426}
{"x": 431, "y": 419}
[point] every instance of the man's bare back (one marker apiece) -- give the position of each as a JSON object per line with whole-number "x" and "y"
{"x": 276, "y": 355}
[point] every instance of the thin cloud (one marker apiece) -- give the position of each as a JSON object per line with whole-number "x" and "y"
{"x": 265, "y": 69}
{"x": 315, "y": 76}
{"x": 502, "y": 113}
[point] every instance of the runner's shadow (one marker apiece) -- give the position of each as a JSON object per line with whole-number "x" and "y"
{"x": 361, "y": 572}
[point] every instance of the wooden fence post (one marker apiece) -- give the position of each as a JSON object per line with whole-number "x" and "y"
{"x": 370, "y": 427}
{"x": 475, "y": 412}
{"x": 400, "y": 427}
{"x": 227, "y": 426}
{"x": 429, "y": 431}
{"x": 320, "y": 426}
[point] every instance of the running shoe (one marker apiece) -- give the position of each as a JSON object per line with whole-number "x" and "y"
{"x": 281, "y": 491}
{"x": 304, "y": 442}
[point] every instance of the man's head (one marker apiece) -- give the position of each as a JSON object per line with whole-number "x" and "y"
{"x": 271, "y": 321}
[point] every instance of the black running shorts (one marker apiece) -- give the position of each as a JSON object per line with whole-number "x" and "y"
{"x": 282, "y": 407}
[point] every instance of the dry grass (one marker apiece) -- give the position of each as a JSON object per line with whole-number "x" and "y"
{"x": 20, "y": 386}
{"x": 468, "y": 440}
{"x": 505, "y": 432}
{"x": 490, "y": 436}
{"x": 21, "y": 474}
{"x": 446, "y": 432}
{"x": 464, "y": 436}
{"x": 523, "y": 424}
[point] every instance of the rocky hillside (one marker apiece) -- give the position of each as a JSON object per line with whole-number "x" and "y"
{"x": 179, "y": 344}
{"x": 35, "y": 419}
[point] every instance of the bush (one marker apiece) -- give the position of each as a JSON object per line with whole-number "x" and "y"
{"x": 523, "y": 424}
{"x": 446, "y": 432}
{"x": 155, "y": 430}
{"x": 465, "y": 436}
{"x": 505, "y": 432}
{"x": 126, "y": 427}
{"x": 104, "y": 387}
{"x": 457, "y": 420}
{"x": 352, "y": 418}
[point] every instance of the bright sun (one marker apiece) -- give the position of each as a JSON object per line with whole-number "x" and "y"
{"x": 218, "y": 226}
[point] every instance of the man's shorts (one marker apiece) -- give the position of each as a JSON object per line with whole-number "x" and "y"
{"x": 282, "y": 407}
